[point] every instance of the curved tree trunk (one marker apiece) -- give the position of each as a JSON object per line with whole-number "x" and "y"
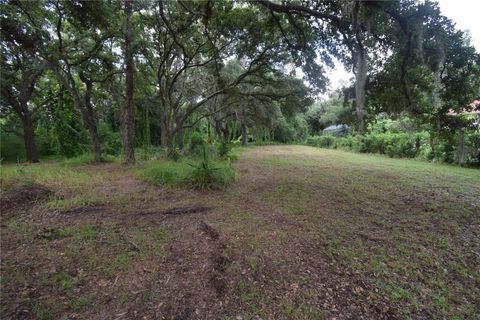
{"x": 85, "y": 107}
{"x": 180, "y": 135}
{"x": 29, "y": 136}
{"x": 89, "y": 120}
{"x": 244, "y": 134}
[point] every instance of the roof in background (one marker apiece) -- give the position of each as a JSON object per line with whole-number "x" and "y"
{"x": 336, "y": 127}
{"x": 474, "y": 105}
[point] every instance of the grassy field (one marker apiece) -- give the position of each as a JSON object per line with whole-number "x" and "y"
{"x": 303, "y": 233}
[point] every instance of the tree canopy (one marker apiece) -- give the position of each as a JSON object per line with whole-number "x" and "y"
{"x": 79, "y": 73}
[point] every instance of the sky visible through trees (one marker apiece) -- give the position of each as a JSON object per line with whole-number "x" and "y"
{"x": 462, "y": 13}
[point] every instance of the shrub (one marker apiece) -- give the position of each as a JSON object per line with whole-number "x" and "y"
{"x": 325, "y": 141}
{"x": 196, "y": 140}
{"x": 283, "y": 131}
{"x": 12, "y": 148}
{"x": 224, "y": 148}
{"x": 312, "y": 141}
{"x": 472, "y": 142}
{"x": 111, "y": 140}
{"x": 208, "y": 175}
{"x": 234, "y": 154}
{"x": 86, "y": 158}
{"x": 400, "y": 145}
{"x": 204, "y": 174}
{"x": 82, "y": 159}
{"x": 173, "y": 154}
{"x": 112, "y": 144}
{"x": 343, "y": 143}
{"x": 167, "y": 173}
{"x": 152, "y": 153}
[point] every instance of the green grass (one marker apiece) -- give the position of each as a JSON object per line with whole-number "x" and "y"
{"x": 405, "y": 225}
{"x": 76, "y": 201}
{"x": 251, "y": 298}
{"x": 86, "y": 158}
{"x": 50, "y": 174}
{"x": 167, "y": 173}
{"x": 63, "y": 280}
{"x": 78, "y": 232}
{"x": 42, "y": 312}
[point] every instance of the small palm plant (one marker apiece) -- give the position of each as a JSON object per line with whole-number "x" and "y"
{"x": 204, "y": 174}
{"x": 224, "y": 149}
{"x": 174, "y": 154}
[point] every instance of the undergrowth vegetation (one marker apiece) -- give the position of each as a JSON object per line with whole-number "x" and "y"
{"x": 211, "y": 171}
{"x": 187, "y": 173}
{"x": 400, "y": 145}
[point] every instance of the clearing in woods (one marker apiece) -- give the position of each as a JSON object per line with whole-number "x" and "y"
{"x": 303, "y": 233}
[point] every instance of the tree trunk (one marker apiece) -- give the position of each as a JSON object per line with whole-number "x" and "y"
{"x": 128, "y": 116}
{"x": 180, "y": 134}
{"x": 437, "y": 78}
{"x": 218, "y": 128}
{"x": 461, "y": 147}
{"x": 96, "y": 148}
{"x": 85, "y": 107}
{"x": 29, "y": 136}
{"x": 169, "y": 141}
{"x": 89, "y": 119}
{"x": 226, "y": 133}
{"x": 360, "y": 82}
{"x": 164, "y": 132}
{"x": 244, "y": 134}
{"x": 360, "y": 56}
{"x": 146, "y": 131}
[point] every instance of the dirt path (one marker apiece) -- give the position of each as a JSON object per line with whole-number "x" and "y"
{"x": 275, "y": 245}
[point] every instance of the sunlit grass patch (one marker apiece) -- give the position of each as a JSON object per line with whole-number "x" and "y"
{"x": 406, "y": 226}
{"x": 79, "y": 232}
{"x": 69, "y": 203}
{"x": 49, "y": 174}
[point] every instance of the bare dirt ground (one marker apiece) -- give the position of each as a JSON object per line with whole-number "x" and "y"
{"x": 303, "y": 233}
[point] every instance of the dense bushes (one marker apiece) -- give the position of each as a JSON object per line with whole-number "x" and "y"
{"x": 196, "y": 141}
{"x": 473, "y": 143}
{"x": 401, "y": 145}
{"x": 111, "y": 140}
{"x": 290, "y": 129}
{"x": 12, "y": 147}
{"x": 224, "y": 148}
{"x": 326, "y": 141}
{"x": 398, "y": 145}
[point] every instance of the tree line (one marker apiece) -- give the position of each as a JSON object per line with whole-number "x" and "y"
{"x": 123, "y": 74}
